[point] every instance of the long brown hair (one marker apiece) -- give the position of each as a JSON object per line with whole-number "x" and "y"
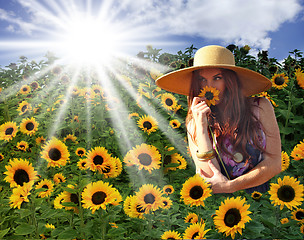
{"x": 235, "y": 119}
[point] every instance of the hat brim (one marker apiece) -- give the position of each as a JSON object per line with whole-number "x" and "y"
{"x": 179, "y": 81}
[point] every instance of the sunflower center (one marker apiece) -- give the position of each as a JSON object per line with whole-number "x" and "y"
{"x": 98, "y": 160}
{"x": 45, "y": 186}
{"x": 196, "y": 192}
{"x": 23, "y": 109}
{"x": 107, "y": 169}
{"x": 300, "y": 215}
{"x": 140, "y": 209}
{"x": 232, "y": 217}
{"x": 209, "y": 95}
{"x": 279, "y": 80}
{"x": 168, "y": 190}
{"x": 167, "y": 160}
{"x": 145, "y": 159}
{"x": 24, "y": 89}
{"x": 286, "y": 193}
{"x": 98, "y": 197}
{"x": 54, "y": 154}
{"x": 149, "y": 198}
{"x": 22, "y": 146}
{"x": 194, "y": 235}
{"x": 9, "y": 131}
{"x": 80, "y": 152}
{"x": 21, "y": 176}
{"x": 169, "y": 102}
{"x": 147, "y": 125}
{"x": 30, "y": 126}
{"x": 74, "y": 198}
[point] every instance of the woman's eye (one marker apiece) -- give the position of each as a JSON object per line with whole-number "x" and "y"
{"x": 218, "y": 78}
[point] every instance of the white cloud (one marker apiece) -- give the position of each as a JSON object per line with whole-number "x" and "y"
{"x": 230, "y": 21}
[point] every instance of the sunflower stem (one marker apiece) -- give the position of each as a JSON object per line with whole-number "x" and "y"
{"x": 288, "y": 110}
{"x": 218, "y": 154}
{"x": 7, "y": 116}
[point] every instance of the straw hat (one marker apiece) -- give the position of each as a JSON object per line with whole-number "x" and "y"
{"x": 209, "y": 57}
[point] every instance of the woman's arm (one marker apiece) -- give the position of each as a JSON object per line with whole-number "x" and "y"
{"x": 266, "y": 169}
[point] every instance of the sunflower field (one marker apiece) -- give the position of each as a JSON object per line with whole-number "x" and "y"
{"x": 102, "y": 154}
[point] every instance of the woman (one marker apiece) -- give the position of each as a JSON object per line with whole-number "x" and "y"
{"x": 235, "y": 143}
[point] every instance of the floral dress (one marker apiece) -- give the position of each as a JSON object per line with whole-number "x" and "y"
{"x": 238, "y": 168}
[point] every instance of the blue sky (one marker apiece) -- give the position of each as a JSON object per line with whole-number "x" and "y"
{"x": 32, "y": 27}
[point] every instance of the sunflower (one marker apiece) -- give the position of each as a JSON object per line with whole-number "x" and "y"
{"x": 149, "y": 197}
{"x": 231, "y": 216}
{"x": 70, "y": 138}
{"x": 279, "y": 80}
{"x": 171, "y": 235}
{"x": 167, "y": 203}
{"x": 300, "y": 77}
{"x": 266, "y": 95}
{"x": 25, "y": 89}
{"x": 49, "y": 226}
{"x": 69, "y": 196}
{"x": 195, "y": 190}
{"x": 256, "y": 195}
{"x": 55, "y": 153}
{"x": 195, "y": 231}
{"x": 191, "y": 218}
{"x": 175, "y": 159}
{"x": 40, "y": 140}
{"x": 99, "y": 194}
{"x": 148, "y": 124}
{"x": 59, "y": 102}
{"x": 284, "y": 220}
{"x": 133, "y": 209}
{"x": 75, "y": 91}
{"x": 82, "y": 164}
{"x": 19, "y": 172}
{"x": 168, "y": 101}
{"x": 58, "y": 201}
{"x": 118, "y": 166}
{"x": 97, "y": 159}
{"x": 65, "y": 78}
{"x": 210, "y": 94}
{"x": 29, "y": 126}
{"x": 20, "y": 195}
{"x": 287, "y": 192}
{"x": 47, "y": 185}
{"x": 80, "y": 151}
{"x": 23, "y": 145}
{"x": 298, "y": 151}
{"x": 144, "y": 157}
{"x": 97, "y": 89}
{"x": 57, "y": 70}
{"x": 34, "y": 85}
{"x": 8, "y": 131}
{"x": 142, "y": 89}
{"x": 168, "y": 189}
{"x": 23, "y": 107}
{"x": 58, "y": 178}
{"x": 109, "y": 170}
{"x": 133, "y": 115}
{"x": 175, "y": 123}
{"x": 285, "y": 161}
{"x": 298, "y": 215}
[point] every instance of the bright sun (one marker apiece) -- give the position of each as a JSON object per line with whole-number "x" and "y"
{"x": 89, "y": 41}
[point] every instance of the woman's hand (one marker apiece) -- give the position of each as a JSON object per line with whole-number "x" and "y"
{"x": 200, "y": 110}
{"x": 219, "y": 183}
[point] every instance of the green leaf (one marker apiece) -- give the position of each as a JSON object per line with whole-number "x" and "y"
{"x": 24, "y": 229}
{"x": 68, "y": 234}
{"x": 4, "y": 232}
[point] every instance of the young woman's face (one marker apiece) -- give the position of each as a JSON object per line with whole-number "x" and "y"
{"x": 212, "y": 77}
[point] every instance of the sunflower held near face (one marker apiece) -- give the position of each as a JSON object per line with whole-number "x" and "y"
{"x": 210, "y": 94}
{"x": 195, "y": 190}
{"x": 55, "y": 153}
{"x": 287, "y": 192}
{"x": 231, "y": 216}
